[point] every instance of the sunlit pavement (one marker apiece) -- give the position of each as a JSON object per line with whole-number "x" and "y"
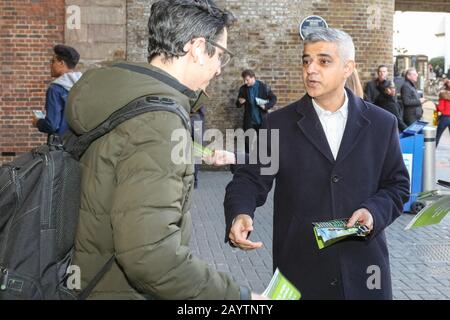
{"x": 420, "y": 259}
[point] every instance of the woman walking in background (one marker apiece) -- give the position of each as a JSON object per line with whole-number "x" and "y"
{"x": 444, "y": 108}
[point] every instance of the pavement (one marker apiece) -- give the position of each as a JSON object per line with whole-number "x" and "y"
{"x": 420, "y": 258}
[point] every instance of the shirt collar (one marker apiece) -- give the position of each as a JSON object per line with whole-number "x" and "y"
{"x": 343, "y": 110}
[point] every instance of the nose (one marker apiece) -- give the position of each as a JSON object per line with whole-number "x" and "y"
{"x": 310, "y": 68}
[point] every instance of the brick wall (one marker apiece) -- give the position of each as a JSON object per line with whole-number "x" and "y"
{"x": 28, "y": 31}
{"x": 266, "y": 39}
{"x": 420, "y": 5}
{"x": 370, "y": 23}
{"x": 138, "y": 12}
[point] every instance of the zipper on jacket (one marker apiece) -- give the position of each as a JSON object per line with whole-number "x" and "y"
{"x": 8, "y": 227}
{"x": 45, "y": 219}
{"x": 3, "y": 278}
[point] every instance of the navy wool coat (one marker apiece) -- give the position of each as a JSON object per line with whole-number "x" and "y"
{"x": 311, "y": 186}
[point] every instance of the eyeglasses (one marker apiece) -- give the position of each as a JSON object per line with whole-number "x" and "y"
{"x": 224, "y": 57}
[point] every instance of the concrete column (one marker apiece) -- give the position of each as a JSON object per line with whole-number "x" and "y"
{"x": 97, "y": 29}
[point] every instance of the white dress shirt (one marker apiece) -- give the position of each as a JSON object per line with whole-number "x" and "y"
{"x": 333, "y": 123}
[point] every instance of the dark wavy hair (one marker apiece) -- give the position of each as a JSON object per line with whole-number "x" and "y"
{"x": 67, "y": 54}
{"x": 248, "y": 73}
{"x": 173, "y": 23}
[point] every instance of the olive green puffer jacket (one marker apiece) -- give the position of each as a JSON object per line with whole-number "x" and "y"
{"x": 135, "y": 200}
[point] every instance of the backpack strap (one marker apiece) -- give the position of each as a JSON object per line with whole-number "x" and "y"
{"x": 78, "y": 145}
{"x": 91, "y": 285}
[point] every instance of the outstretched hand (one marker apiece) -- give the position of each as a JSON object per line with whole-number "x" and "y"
{"x": 242, "y": 225}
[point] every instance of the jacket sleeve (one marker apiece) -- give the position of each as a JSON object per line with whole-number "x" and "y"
{"x": 149, "y": 227}
{"x": 368, "y": 92}
{"x": 272, "y": 98}
{"x": 387, "y": 204}
{"x": 240, "y": 95}
{"x": 396, "y": 112}
{"x": 248, "y": 189}
{"x": 54, "y": 106}
{"x": 441, "y": 105}
{"x": 409, "y": 97}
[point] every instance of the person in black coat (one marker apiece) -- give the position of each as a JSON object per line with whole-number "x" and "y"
{"x": 412, "y": 103}
{"x": 339, "y": 157}
{"x": 372, "y": 91}
{"x": 388, "y": 101}
{"x": 250, "y": 96}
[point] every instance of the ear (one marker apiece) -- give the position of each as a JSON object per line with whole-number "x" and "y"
{"x": 198, "y": 53}
{"x": 349, "y": 67}
{"x": 195, "y": 48}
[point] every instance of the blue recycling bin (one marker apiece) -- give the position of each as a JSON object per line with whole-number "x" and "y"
{"x": 412, "y": 145}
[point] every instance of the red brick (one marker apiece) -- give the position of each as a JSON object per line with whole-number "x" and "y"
{"x": 28, "y": 32}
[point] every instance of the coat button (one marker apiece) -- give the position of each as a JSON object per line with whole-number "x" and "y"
{"x": 335, "y": 179}
{"x": 334, "y": 282}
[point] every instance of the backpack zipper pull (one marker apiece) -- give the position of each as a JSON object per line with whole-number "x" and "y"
{"x": 3, "y": 278}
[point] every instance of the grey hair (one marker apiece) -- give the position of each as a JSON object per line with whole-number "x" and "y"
{"x": 408, "y": 71}
{"x": 173, "y": 23}
{"x": 342, "y": 39}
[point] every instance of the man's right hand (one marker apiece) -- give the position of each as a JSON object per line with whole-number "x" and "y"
{"x": 242, "y": 225}
{"x": 241, "y": 100}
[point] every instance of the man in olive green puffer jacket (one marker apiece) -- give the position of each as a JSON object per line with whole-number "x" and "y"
{"x": 135, "y": 200}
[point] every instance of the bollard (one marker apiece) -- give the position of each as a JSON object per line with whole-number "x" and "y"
{"x": 429, "y": 159}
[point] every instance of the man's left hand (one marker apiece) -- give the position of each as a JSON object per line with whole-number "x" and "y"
{"x": 34, "y": 121}
{"x": 263, "y": 106}
{"x": 363, "y": 216}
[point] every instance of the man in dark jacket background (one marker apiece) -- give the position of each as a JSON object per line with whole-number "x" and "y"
{"x": 256, "y": 97}
{"x": 412, "y": 103}
{"x": 62, "y": 67}
{"x": 371, "y": 91}
{"x": 339, "y": 157}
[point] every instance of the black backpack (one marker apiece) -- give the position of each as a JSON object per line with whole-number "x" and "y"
{"x": 39, "y": 206}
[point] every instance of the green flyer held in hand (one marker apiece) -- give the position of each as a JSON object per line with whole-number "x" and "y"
{"x": 280, "y": 288}
{"x": 201, "y": 151}
{"x": 329, "y": 232}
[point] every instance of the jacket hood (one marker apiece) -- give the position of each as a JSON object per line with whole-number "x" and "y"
{"x": 67, "y": 80}
{"x": 102, "y": 91}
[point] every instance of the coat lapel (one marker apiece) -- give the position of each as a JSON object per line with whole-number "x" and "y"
{"x": 356, "y": 125}
{"x": 311, "y": 127}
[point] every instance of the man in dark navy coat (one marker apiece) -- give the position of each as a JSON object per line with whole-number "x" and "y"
{"x": 339, "y": 157}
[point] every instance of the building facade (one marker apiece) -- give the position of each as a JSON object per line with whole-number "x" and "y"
{"x": 265, "y": 39}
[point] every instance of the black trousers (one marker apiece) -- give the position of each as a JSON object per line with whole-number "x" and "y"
{"x": 252, "y": 144}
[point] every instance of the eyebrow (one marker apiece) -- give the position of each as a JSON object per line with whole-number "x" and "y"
{"x": 323, "y": 55}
